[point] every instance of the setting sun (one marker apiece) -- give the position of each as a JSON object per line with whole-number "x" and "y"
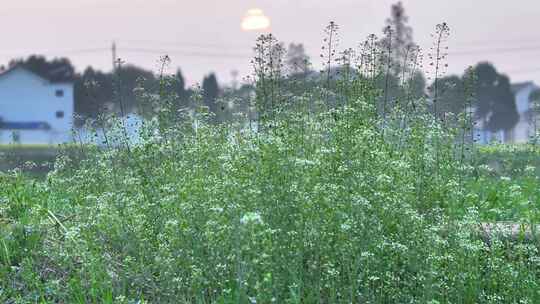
{"x": 255, "y": 20}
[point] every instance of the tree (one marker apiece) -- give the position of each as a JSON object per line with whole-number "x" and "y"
{"x": 398, "y": 40}
{"x": 452, "y": 94}
{"x": 180, "y": 85}
{"x": 400, "y": 80}
{"x": 297, "y": 61}
{"x": 93, "y": 91}
{"x": 128, "y": 78}
{"x": 97, "y": 92}
{"x": 56, "y": 70}
{"x": 495, "y": 101}
{"x": 210, "y": 89}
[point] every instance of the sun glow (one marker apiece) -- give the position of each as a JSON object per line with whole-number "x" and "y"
{"x": 255, "y": 20}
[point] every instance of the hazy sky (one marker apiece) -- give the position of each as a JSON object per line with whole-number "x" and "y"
{"x": 205, "y": 35}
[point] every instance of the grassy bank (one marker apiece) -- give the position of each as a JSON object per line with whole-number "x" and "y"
{"x": 506, "y": 182}
{"x": 36, "y": 160}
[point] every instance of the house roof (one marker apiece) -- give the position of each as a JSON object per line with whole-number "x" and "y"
{"x": 19, "y": 67}
{"x": 23, "y": 68}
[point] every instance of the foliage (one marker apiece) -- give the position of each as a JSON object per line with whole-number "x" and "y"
{"x": 494, "y": 104}
{"x": 398, "y": 39}
{"x": 317, "y": 199}
{"x": 400, "y": 60}
{"x": 210, "y": 89}
{"x": 297, "y": 60}
{"x": 452, "y": 97}
{"x": 495, "y": 100}
{"x": 56, "y": 70}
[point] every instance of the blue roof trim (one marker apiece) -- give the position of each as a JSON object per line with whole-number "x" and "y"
{"x": 33, "y": 125}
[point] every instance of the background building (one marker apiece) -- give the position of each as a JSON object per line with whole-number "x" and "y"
{"x": 34, "y": 110}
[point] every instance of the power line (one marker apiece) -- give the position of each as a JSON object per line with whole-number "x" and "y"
{"x": 188, "y": 51}
{"x": 185, "y": 44}
{"x": 185, "y": 53}
{"x": 198, "y": 53}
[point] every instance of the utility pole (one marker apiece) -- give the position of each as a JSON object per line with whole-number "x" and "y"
{"x": 114, "y": 60}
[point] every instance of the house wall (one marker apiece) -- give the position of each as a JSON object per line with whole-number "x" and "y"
{"x": 523, "y": 129}
{"x": 26, "y": 97}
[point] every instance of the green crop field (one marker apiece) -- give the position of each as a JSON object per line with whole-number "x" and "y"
{"x": 332, "y": 193}
{"x": 35, "y": 160}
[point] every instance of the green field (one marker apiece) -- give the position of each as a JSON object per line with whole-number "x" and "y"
{"x": 506, "y": 186}
{"x": 36, "y": 160}
{"x": 332, "y": 193}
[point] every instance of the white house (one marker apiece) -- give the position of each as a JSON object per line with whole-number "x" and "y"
{"x": 524, "y": 129}
{"x": 34, "y": 110}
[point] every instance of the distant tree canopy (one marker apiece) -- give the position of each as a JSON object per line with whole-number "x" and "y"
{"x": 401, "y": 79}
{"x": 180, "y": 86}
{"x": 398, "y": 41}
{"x": 297, "y": 61}
{"x": 97, "y": 92}
{"x": 496, "y": 104}
{"x": 452, "y": 97}
{"x": 93, "y": 93}
{"x": 126, "y": 79}
{"x": 56, "y": 70}
{"x": 494, "y": 101}
{"x": 210, "y": 89}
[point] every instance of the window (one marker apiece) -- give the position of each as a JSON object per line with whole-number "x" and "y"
{"x": 59, "y": 114}
{"x": 59, "y": 93}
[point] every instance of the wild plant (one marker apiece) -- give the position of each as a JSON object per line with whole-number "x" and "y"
{"x": 388, "y": 31}
{"x": 437, "y": 56}
{"x": 313, "y": 205}
{"x": 329, "y": 50}
{"x": 267, "y": 66}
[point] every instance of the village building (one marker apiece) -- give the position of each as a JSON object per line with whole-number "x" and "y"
{"x": 34, "y": 110}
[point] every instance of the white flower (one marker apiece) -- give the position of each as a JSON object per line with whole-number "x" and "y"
{"x": 251, "y": 217}
{"x": 217, "y": 209}
{"x": 530, "y": 169}
{"x": 305, "y": 162}
{"x": 171, "y": 224}
{"x": 345, "y": 227}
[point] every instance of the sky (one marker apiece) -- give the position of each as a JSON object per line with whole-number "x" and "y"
{"x": 205, "y": 36}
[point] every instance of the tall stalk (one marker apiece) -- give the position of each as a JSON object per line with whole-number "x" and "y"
{"x": 388, "y": 46}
